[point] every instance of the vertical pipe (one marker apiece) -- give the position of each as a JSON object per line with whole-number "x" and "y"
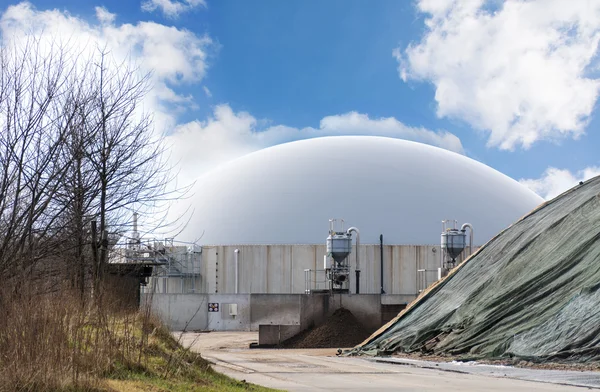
{"x": 464, "y": 228}
{"x": 442, "y": 248}
{"x": 236, "y": 252}
{"x": 193, "y": 254}
{"x": 350, "y": 230}
{"x": 136, "y": 235}
{"x": 381, "y": 261}
{"x": 305, "y": 284}
{"x": 357, "y": 262}
{"x": 291, "y": 271}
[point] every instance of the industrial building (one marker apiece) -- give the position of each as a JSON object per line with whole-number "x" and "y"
{"x": 261, "y": 223}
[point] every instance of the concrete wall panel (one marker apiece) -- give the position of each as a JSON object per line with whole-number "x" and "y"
{"x": 209, "y": 268}
{"x": 387, "y": 269}
{"x": 303, "y": 257}
{"x": 222, "y": 321}
{"x": 370, "y": 267}
{"x": 408, "y": 269}
{"x": 253, "y": 269}
{"x": 314, "y": 309}
{"x": 275, "y": 309}
{"x": 227, "y": 270}
{"x": 190, "y": 311}
{"x": 397, "y": 299}
{"x": 181, "y": 311}
{"x": 320, "y": 251}
{"x": 275, "y": 334}
{"x": 366, "y": 308}
{"x": 279, "y": 269}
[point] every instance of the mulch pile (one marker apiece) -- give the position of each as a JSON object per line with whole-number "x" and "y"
{"x": 340, "y": 330}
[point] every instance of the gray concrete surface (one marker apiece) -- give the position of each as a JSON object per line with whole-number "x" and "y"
{"x": 566, "y": 377}
{"x": 365, "y": 307}
{"x": 190, "y": 311}
{"x": 321, "y": 370}
{"x": 181, "y": 311}
{"x": 275, "y": 334}
{"x": 275, "y": 309}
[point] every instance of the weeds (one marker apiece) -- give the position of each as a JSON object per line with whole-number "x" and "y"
{"x": 52, "y": 342}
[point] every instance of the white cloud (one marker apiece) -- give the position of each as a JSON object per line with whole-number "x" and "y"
{"x": 147, "y": 44}
{"x": 555, "y": 181}
{"x": 207, "y": 91}
{"x": 201, "y": 145}
{"x": 104, "y": 16}
{"x": 172, "y": 8}
{"x": 517, "y": 71}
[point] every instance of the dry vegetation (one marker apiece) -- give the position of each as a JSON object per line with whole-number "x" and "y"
{"x": 78, "y": 156}
{"x": 53, "y": 344}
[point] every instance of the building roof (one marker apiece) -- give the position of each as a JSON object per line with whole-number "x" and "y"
{"x": 286, "y": 194}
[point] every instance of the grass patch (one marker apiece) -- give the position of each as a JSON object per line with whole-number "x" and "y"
{"x": 52, "y": 343}
{"x": 167, "y": 366}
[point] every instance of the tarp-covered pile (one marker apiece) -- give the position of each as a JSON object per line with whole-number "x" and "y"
{"x": 532, "y": 292}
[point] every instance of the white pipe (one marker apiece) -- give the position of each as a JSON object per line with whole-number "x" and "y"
{"x": 464, "y": 228}
{"x": 236, "y": 252}
{"x": 350, "y": 230}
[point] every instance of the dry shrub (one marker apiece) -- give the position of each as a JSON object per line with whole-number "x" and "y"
{"x": 52, "y": 342}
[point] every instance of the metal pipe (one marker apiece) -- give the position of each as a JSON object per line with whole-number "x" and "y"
{"x": 464, "y": 228}
{"x": 350, "y": 230}
{"x": 236, "y": 252}
{"x": 135, "y": 234}
{"x": 381, "y": 252}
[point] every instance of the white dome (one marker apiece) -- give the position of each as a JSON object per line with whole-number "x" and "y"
{"x": 286, "y": 194}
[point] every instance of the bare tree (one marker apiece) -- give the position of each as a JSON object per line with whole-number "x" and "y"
{"x": 126, "y": 155}
{"x": 78, "y": 195}
{"x": 76, "y": 148}
{"x": 34, "y": 120}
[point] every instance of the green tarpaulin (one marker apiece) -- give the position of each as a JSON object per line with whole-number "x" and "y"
{"x": 532, "y": 292}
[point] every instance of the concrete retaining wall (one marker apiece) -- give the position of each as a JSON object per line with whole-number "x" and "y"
{"x": 275, "y": 334}
{"x": 192, "y": 311}
{"x": 181, "y": 311}
{"x": 366, "y": 308}
{"x": 275, "y": 309}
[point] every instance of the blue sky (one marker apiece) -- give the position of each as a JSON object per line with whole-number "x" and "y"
{"x": 521, "y": 99}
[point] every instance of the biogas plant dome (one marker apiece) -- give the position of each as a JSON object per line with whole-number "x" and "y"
{"x": 286, "y": 194}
